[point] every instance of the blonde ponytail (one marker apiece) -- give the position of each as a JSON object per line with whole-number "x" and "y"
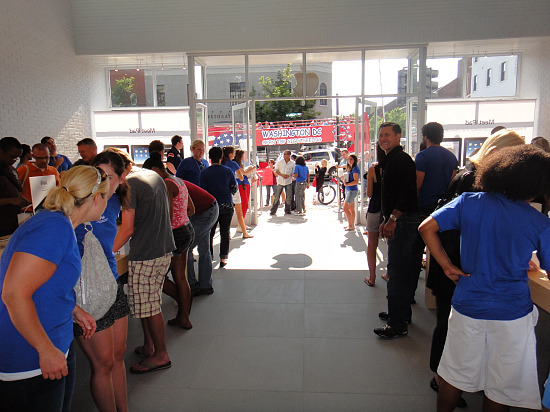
{"x": 76, "y": 185}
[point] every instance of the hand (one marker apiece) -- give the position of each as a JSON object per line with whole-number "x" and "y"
{"x": 53, "y": 363}
{"x": 307, "y": 187}
{"x": 389, "y": 229}
{"x": 454, "y": 273}
{"x": 85, "y": 321}
{"x": 20, "y": 201}
{"x": 58, "y": 162}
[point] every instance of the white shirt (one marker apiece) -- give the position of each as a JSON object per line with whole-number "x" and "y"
{"x": 285, "y": 168}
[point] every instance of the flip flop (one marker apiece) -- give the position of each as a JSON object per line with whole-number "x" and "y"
{"x": 350, "y": 229}
{"x": 151, "y": 367}
{"x": 368, "y": 283}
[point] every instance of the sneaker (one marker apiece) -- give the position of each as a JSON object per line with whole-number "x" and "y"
{"x": 203, "y": 291}
{"x": 388, "y": 332}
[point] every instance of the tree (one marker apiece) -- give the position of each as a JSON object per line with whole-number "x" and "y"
{"x": 121, "y": 93}
{"x": 281, "y": 110}
{"x": 396, "y": 116}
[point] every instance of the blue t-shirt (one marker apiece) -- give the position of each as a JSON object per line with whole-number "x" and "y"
{"x": 104, "y": 230}
{"x": 354, "y": 170}
{"x": 50, "y": 236}
{"x": 217, "y": 180}
{"x": 189, "y": 169}
{"x": 438, "y": 164}
{"x": 303, "y": 173}
{"x": 497, "y": 238}
{"x": 233, "y": 165}
{"x": 66, "y": 165}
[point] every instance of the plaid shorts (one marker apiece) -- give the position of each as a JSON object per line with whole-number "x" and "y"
{"x": 145, "y": 280}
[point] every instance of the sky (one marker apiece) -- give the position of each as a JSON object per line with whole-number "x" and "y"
{"x": 381, "y": 78}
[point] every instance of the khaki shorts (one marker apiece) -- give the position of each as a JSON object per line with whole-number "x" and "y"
{"x": 145, "y": 280}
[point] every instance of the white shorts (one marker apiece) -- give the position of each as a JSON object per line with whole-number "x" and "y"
{"x": 497, "y": 357}
{"x": 237, "y": 197}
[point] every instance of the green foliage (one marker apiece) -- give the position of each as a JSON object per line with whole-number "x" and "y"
{"x": 275, "y": 111}
{"x": 396, "y": 115}
{"x": 121, "y": 93}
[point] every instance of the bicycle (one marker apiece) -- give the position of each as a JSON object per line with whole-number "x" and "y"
{"x": 327, "y": 194}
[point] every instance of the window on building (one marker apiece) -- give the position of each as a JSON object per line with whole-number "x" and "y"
{"x": 136, "y": 88}
{"x": 323, "y": 92}
{"x": 161, "y": 95}
{"x": 502, "y": 71}
{"x": 474, "y": 84}
{"x": 237, "y": 90}
{"x": 489, "y": 73}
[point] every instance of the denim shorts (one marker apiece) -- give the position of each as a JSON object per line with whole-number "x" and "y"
{"x": 183, "y": 237}
{"x": 351, "y": 195}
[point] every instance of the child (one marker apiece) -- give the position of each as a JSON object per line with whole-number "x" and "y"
{"x": 493, "y": 317}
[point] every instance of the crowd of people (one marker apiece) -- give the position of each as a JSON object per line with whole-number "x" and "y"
{"x": 476, "y": 223}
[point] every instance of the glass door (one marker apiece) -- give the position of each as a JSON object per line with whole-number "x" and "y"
{"x": 202, "y": 123}
{"x": 243, "y": 128}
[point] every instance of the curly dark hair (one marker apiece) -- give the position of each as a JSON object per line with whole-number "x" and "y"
{"x": 519, "y": 172}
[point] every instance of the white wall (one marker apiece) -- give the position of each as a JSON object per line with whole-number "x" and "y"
{"x": 44, "y": 86}
{"x": 145, "y": 26}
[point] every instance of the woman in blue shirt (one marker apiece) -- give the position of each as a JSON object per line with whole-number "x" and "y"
{"x": 38, "y": 272}
{"x": 301, "y": 173}
{"x": 350, "y": 181}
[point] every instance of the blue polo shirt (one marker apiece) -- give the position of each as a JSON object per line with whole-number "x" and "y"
{"x": 497, "y": 238}
{"x": 190, "y": 169}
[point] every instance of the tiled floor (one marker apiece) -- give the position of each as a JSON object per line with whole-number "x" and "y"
{"x": 289, "y": 328}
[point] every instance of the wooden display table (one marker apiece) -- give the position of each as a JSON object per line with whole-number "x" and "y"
{"x": 540, "y": 289}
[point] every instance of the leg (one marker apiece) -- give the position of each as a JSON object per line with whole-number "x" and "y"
{"x": 155, "y": 327}
{"x": 225, "y": 224}
{"x": 100, "y": 352}
{"x": 372, "y": 246}
{"x": 288, "y": 200}
{"x": 492, "y": 406}
{"x": 240, "y": 219}
{"x": 400, "y": 274}
{"x": 447, "y": 397}
{"x": 276, "y": 196}
{"x": 183, "y": 292}
{"x": 293, "y": 202}
{"x": 352, "y": 214}
{"x": 268, "y": 192}
{"x": 443, "y": 306}
{"x": 212, "y": 233}
{"x": 120, "y": 332}
{"x": 202, "y": 240}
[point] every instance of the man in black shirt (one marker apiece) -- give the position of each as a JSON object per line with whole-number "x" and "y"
{"x": 400, "y": 228}
{"x": 174, "y": 155}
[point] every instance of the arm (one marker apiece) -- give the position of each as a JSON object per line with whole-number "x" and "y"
{"x": 171, "y": 168}
{"x": 419, "y": 180}
{"x": 126, "y": 229}
{"x": 371, "y": 175}
{"x": 429, "y": 231}
{"x": 16, "y": 201}
{"x": 27, "y": 273}
{"x": 190, "y": 206}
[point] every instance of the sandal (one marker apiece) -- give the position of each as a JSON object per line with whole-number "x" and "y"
{"x": 151, "y": 367}
{"x": 367, "y": 281}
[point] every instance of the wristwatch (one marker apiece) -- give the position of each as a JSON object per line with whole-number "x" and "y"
{"x": 393, "y": 218}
